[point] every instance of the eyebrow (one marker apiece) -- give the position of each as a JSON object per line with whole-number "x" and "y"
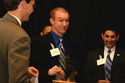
{"x": 111, "y": 35}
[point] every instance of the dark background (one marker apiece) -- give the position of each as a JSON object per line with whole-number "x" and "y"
{"x": 87, "y": 19}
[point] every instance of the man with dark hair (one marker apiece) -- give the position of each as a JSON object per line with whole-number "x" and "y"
{"x": 15, "y": 43}
{"x": 46, "y": 30}
{"x": 106, "y": 65}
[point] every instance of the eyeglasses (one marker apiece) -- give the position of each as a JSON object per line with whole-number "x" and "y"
{"x": 34, "y": 5}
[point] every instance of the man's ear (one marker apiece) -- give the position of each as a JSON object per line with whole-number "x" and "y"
{"x": 41, "y": 33}
{"x": 23, "y": 4}
{"x": 118, "y": 37}
{"x": 51, "y": 21}
{"x": 102, "y": 35}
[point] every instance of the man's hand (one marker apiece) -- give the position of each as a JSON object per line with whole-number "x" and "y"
{"x": 56, "y": 71}
{"x": 33, "y": 72}
{"x": 103, "y": 81}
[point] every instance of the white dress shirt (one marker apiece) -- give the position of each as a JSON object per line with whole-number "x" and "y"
{"x": 16, "y": 18}
{"x": 111, "y": 53}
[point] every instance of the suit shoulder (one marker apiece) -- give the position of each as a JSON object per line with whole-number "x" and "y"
{"x": 39, "y": 39}
{"x": 95, "y": 51}
{"x": 120, "y": 50}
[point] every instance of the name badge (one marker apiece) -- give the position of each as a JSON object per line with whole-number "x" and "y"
{"x": 54, "y": 52}
{"x": 101, "y": 61}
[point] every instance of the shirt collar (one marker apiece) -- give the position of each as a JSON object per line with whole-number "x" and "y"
{"x": 16, "y": 19}
{"x": 55, "y": 36}
{"x": 112, "y": 49}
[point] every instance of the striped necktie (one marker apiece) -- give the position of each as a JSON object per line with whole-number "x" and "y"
{"x": 62, "y": 55}
{"x": 62, "y": 60}
{"x": 108, "y": 67}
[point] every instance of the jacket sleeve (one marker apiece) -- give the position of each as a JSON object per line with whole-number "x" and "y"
{"x": 18, "y": 60}
{"x": 88, "y": 71}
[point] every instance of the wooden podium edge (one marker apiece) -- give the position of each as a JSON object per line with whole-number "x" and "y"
{"x": 62, "y": 81}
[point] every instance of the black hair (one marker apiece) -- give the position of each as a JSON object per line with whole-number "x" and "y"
{"x": 13, "y": 4}
{"x": 112, "y": 28}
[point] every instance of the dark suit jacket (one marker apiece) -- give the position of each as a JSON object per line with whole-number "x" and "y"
{"x": 41, "y": 57}
{"x": 14, "y": 51}
{"x": 93, "y": 73}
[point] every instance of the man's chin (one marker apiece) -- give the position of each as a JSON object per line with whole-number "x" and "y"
{"x": 26, "y": 20}
{"x": 110, "y": 46}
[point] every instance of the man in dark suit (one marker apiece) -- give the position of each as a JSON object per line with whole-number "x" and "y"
{"x": 96, "y": 65}
{"x": 15, "y": 43}
{"x": 48, "y": 62}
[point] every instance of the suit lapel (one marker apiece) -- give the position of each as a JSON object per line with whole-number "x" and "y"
{"x": 116, "y": 58}
{"x": 101, "y": 52}
{"x": 101, "y": 67}
{"x": 50, "y": 38}
{"x": 67, "y": 45}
